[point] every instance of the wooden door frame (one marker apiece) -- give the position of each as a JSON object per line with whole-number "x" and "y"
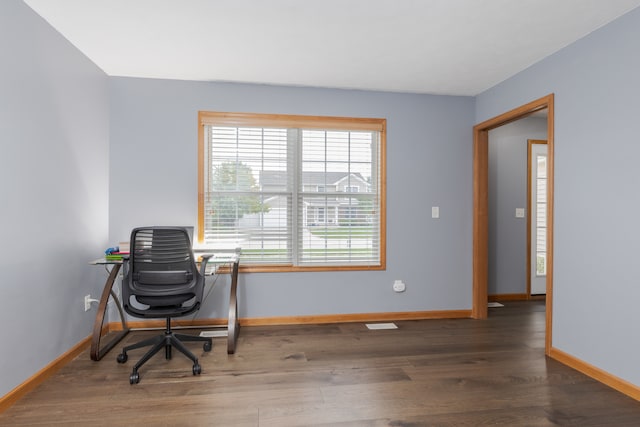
{"x": 481, "y": 207}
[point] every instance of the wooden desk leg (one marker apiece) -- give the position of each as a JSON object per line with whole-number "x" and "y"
{"x": 96, "y": 352}
{"x": 233, "y": 327}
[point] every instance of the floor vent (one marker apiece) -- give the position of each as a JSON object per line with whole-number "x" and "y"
{"x": 214, "y": 334}
{"x": 377, "y": 326}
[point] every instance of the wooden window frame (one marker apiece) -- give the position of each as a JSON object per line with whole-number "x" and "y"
{"x": 299, "y": 121}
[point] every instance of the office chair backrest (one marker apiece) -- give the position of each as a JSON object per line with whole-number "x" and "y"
{"x": 161, "y": 271}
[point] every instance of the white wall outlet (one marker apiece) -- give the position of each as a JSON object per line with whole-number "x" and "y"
{"x": 435, "y": 212}
{"x": 519, "y": 212}
{"x": 399, "y": 286}
{"x": 87, "y": 302}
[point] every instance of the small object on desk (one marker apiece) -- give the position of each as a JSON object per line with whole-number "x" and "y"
{"x": 112, "y": 250}
{"x": 116, "y": 256}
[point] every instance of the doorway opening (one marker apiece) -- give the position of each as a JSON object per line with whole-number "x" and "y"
{"x": 481, "y": 207}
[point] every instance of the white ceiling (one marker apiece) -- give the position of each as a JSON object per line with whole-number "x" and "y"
{"x": 453, "y": 47}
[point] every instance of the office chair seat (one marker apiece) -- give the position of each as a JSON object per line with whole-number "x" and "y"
{"x": 161, "y": 280}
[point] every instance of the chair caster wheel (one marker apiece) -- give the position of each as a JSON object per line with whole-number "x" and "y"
{"x": 122, "y": 358}
{"x": 197, "y": 369}
{"x": 207, "y": 346}
{"x": 134, "y": 378}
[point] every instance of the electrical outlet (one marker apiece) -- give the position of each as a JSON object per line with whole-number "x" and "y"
{"x": 399, "y": 286}
{"x": 87, "y": 302}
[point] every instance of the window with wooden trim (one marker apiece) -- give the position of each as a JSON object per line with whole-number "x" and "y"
{"x": 294, "y": 192}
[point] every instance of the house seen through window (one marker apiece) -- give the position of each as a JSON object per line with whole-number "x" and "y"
{"x": 294, "y": 192}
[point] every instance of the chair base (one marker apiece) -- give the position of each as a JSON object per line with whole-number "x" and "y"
{"x": 167, "y": 341}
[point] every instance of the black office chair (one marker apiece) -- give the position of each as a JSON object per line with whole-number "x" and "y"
{"x": 161, "y": 279}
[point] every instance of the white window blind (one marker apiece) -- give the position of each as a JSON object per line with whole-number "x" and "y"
{"x": 541, "y": 215}
{"x": 302, "y": 196}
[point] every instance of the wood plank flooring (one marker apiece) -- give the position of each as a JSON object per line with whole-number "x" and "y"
{"x": 458, "y": 372}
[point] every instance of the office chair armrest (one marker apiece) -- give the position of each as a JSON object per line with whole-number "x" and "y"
{"x": 203, "y": 263}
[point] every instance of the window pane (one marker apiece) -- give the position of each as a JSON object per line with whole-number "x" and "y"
{"x": 336, "y": 226}
{"x": 542, "y": 166}
{"x": 541, "y": 191}
{"x": 541, "y": 264}
{"x": 541, "y": 239}
{"x": 268, "y": 236}
{"x": 339, "y": 231}
{"x": 541, "y": 215}
{"x": 247, "y": 202}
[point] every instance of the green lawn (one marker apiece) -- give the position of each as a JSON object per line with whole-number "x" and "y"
{"x": 342, "y": 232}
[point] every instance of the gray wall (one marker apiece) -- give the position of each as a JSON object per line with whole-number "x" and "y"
{"x": 597, "y": 233}
{"x": 53, "y": 186}
{"x": 429, "y": 163}
{"x": 508, "y": 191}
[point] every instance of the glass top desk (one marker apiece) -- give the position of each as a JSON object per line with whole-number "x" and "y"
{"x": 220, "y": 262}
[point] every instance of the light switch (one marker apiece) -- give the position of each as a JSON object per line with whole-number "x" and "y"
{"x": 519, "y": 212}
{"x": 435, "y": 212}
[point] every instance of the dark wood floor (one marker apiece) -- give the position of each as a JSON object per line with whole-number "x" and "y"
{"x": 425, "y": 373}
